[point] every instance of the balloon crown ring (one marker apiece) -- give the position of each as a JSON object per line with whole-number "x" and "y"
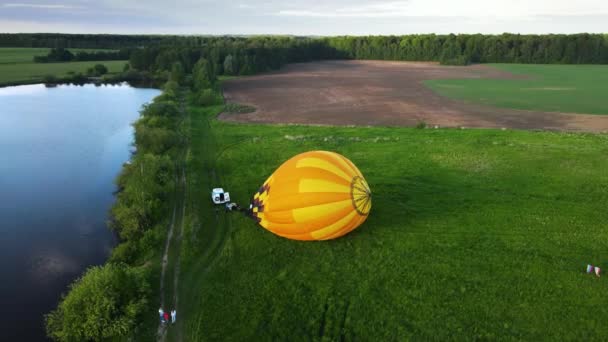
{"x": 361, "y": 195}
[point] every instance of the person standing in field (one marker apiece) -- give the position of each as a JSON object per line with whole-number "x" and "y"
{"x": 166, "y": 316}
{"x": 173, "y": 314}
{"x": 161, "y": 314}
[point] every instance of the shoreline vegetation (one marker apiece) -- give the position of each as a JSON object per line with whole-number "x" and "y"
{"x": 109, "y": 301}
{"x": 145, "y": 197}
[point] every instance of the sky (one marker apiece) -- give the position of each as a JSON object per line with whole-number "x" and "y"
{"x": 299, "y": 17}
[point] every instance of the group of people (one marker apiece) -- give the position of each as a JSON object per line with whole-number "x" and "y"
{"x": 164, "y": 317}
{"x": 232, "y": 206}
{"x": 593, "y": 269}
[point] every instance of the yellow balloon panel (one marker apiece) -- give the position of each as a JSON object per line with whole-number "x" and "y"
{"x": 316, "y": 195}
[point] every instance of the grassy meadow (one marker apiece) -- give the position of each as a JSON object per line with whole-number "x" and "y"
{"x": 26, "y": 55}
{"x": 554, "y": 88}
{"x": 473, "y": 234}
{"x": 17, "y": 66}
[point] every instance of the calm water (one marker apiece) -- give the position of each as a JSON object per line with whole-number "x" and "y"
{"x": 60, "y": 151}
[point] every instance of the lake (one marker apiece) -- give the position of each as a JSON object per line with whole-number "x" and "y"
{"x": 60, "y": 150}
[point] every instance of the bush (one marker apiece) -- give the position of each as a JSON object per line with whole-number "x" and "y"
{"x": 135, "y": 76}
{"x": 144, "y": 185}
{"x": 421, "y": 125}
{"x": 161, "y": 108}
{"x": 152, "y": 241}
{"x": 155, "y": 140}
{"x": 77, "y": 78}
{"x": 49, "y": 79}
{"x": 177, "y": 72}
{"x": 97, "y": 70}
{"x": 162, "y": 75}
{"x": 105, "y": 303}
{"x": 123, "y": 253}
{"x": 236, "y": 108}
{"x": 208, "y": 97}
{"x": 100, "y": 69}
{"x": 170, "y": 90}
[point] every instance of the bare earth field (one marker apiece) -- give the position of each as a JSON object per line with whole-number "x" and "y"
{"x": 385, "y": 94}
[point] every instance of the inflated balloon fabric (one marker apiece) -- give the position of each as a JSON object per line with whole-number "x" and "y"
{"x": 315, "y": 195}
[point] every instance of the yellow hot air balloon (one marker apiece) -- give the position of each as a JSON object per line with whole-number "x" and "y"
{"x": 315, "y": 195}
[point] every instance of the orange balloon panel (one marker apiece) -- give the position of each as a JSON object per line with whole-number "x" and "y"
{"x": 315, "y": 195}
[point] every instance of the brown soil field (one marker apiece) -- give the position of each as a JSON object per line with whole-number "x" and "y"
{"x": 385, "y": 94}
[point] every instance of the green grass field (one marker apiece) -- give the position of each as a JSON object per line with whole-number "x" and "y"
{"x": 17, "y": 66}
{"x": 555, "y": 88}
{"x": 473, "y": 234}
{"x": 26, "y": 55}
{"x": 20, "y": 55}
{"x": 34, "y": 72}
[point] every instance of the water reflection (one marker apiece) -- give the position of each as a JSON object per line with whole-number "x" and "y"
{"x": 23, "y": 90}
{"x": 60, "y": 150}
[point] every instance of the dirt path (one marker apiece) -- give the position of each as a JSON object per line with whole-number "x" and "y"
{"x": 176, "y": 274}
{"x": 385, "y": 94}
{"x": 217, "y": 229}
{"x": 170, "y": 261}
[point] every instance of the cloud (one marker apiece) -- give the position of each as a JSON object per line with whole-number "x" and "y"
{"x": 442, "y": 8}
{"x": 245, "y": 6}
{"x": 40, "y": 6}
{"x": 306, "y": 17}
{"x": 369, "y": 10}
{"x": 24, "y": 26}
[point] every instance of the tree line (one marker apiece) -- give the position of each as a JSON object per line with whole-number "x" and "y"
{"x": 477, "y": 48}
{"x": 245, "y": 56}
{"x": 64, "y": 55}
{"x": 82, "y": 41}
{"x": 233, "y": 56}
{"x": 260, "y": 53}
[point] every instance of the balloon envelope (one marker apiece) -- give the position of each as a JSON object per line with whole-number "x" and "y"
{"x": 315, "y": 195}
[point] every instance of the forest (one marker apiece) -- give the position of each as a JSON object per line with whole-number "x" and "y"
{"x": 248, "y": 55}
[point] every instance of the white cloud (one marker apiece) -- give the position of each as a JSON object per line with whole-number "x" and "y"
{"x": 463, "y": 8}
{"x": 245, "y": 6}
{"x": 312, "y": 17}
{"x": 41, "y": 6}
{"x": 28, "y": 26}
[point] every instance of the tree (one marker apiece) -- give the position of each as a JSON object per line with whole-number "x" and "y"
{"x": 49, "y": 79}
{"x": 229, "y": 65}
{"x": 203, "y": 75}
{"x": 207, "y": 97}
{"x": 60, "y": 55}
{"x": 170, "y": 90}
{"x": 106, "y": 302}
{"x": 143, "y": 59}
{"x": 247, "y": 68}
{"x": 100, "y": 69}
{"x": 177, "y": 72}
{"x": 143, "y": 184}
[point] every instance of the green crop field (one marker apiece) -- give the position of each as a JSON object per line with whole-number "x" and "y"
{"x": 556, "y": 88}
{"x": 473, "y": 234}
{"x": 34, "y": 72}
{"x": 26, "y": 55}
{"x": 17, "y": 66}
{"x": 20, "y": 55}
